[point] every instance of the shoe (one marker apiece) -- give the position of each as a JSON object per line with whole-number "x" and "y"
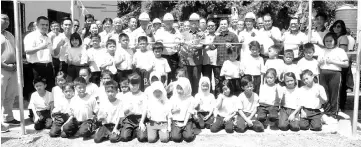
{"x": 5, "y": 128}
{"x": 343, "y": 115}
{"x": 330, "y": 120}
{"x": 13, "y": 122}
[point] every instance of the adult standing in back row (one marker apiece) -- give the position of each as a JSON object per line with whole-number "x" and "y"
{"x": 223, "y": 42}
{"x": 8, "y": 74}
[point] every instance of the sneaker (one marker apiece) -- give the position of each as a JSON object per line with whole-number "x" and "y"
{"x": 14, "y": 122}
{"x": 4, "y": 128}
{"x": 343, "y": 115}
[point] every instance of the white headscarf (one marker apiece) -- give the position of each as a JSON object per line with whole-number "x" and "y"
{"x": 201, "y": 81}
{"x": 186, "y": 86}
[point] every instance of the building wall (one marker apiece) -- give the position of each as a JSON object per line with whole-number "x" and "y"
{"x": 34, "y": 9}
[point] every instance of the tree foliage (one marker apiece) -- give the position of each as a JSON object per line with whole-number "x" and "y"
{"x": 281, "y": 11}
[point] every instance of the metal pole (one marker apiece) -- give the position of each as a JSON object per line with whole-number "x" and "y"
{"x": 19, "y": 64}
{"x": 357, "y": 86}
{"x": 309, "y": 20}
{"x": 72, "y": 9}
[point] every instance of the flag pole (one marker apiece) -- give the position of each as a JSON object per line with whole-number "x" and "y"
{"x": 19, "y": 66}
{"x": 72, "y": 9}
{"x": 357, "y": 86}
{"x": 309, "y": 20}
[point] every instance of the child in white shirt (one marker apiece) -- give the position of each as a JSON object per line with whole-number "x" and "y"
{"x": 57, "y": 91}
{"x": 144, "y": 62}
{"x": 161, "y": 64}
{"x": 308, "y": 62}
{"x": 204, "y": 104}
{"x": 133, "y": 103}
{"x": 101, "y": 95}
{"x": 91, "y": 88}
{"x": 231, "y": 70}
{"x": 83, "y": 106}
{"x": 124, "y": 58}
{"x": 248, "y": 103}
{"x": 62, "y": 111}
{"x": 290, "y": 104}
{"x": 254, "y": 65}
{"x": 157, "y": 110}
{"x": 41, "y": 103}
{"x": 289, "y": 66}
{"x": 181, "y": 109}
{"x": 312, "y": 97}
{"x": 75, "y": 56}
{"x": 273, "y": 61}
{"x": 109, "y": 113}
{"x": 269, "y": 99}
{"x": 96, "y": 58}
{"x": 109, "y": 63}
{"x": 226, "y": 109}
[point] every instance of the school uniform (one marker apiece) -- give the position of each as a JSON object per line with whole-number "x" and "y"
{"x": 247, "y": 105}
{"x": 41, "y": 61}
{"x": 291, "y": 68}
{"x": 254, "y": 67}
{"x": 96, "y": 57}
{"x": 144, "y": 62}
{"x": 206, "y": 104}
{"x": 77, "y": 58}
{"x": 293, "y": 41}
{"x": 82, "y": 122}
{"x": 289, "y": 103}
{"x": 59, "y": 61}
{"x": 135, "y": 104}
{"x": 158, "y": 113}
{"x": 41, "y": 106}
{"x": 311, "y": 100}
{"x": 161, "y": 66}
{"x": 311, "y": 65}
{"x": 330, "y": 78}
{"x": 228, "y": 106}
{"x": 231, "y": 71}
{"x": 60, "y": 114}
{"x": 111, "y": 112}
{"x": 268, "y": 103}
{"x": 125, "y": 56}
{"x": 184, "y": 104}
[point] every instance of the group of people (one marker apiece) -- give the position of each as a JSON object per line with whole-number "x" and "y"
{"x": 154, "y": 82}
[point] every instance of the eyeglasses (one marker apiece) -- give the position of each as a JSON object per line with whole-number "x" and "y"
{"x": 211, "y": 26}
{"x": 76, "y": 25}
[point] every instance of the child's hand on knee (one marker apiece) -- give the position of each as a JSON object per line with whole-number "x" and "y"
{"x": 116, "y": 131}
{"x": 142, "y": 127}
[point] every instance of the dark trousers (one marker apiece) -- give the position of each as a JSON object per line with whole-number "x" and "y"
{"x": 331, "y": 81}
{"x": 130, "y": 127}
{"x": 346, "y": 82}
{"x": 84, "y": 128}
{"x": 194, "y": 74}
{"x": 173, "y": 61}
{"x": 182, "y": 133}
{"x": 144, "y": 78}
{"x": 242, "y": 127}
{"x": 45, "y": 70}
{"x": 256, "y": 82}
{"x": 219, "y": 124}
{"x": 73, "y": 71}
{"x": 44, "y": 121}
{"x": 28, "y": 88}
{"x": 218, "y": 80}
{"x": 95, "y": 78}
{"x": 267, "y": 111}
{"x": 312, "y": 121}
{"x": 207, "y": 72}
{"x": 201, "y": 123}
{"x": 284, "y": 124}
{"x": 236, "y": 86}
{"x": 59, "y": 66}
{"x": 105, "y": 132}
{"x": 59, "y": 120}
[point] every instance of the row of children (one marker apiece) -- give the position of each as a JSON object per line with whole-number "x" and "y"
{"x": 80, "y": 108}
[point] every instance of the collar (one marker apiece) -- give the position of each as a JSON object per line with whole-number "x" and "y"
{"x": 39, "y": 33}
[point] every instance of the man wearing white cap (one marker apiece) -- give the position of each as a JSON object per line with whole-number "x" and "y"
{"x": 143, "y": 30}
{"x": 269, "y": 35}
{"x": 157, "y": 24}
{"x": 247, "y": 35}
{"x": 170, "y": 37}
{"x": 193, "y": 58}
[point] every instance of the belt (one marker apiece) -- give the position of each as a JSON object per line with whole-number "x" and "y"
{"x": 44, "y": 64}
{"x": 157, "y": 122}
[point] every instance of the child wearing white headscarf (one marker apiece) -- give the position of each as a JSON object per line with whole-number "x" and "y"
{"x": 204, "y": 104}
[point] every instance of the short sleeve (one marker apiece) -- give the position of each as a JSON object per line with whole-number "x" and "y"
{"x": 90, "y": 56}
{"x": 240, "y": 102}
{"x": 342, "y": 40}
{"x": 342, "y": 55}
{"x": 51, "y": 98}
{"x": 276, "y": 33}
{"x": 224, "y": 69}
{"x": 31, "y": 103}
{"x": 29, "y": 42}
{"x": 322, "y": 93}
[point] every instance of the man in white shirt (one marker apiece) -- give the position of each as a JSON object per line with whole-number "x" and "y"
{"x": 61, "y": 44}
{"x": 351, "y": 40}
{"x": 294, "y": 38}
{"x": 38, "y": 49}
{"x": 143, "y": 30}
{"x": 132, "y": 25}
{"x": 248, "y": 35}
{"x": 8, "y": 74}
{"x": 269, "y": 35}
